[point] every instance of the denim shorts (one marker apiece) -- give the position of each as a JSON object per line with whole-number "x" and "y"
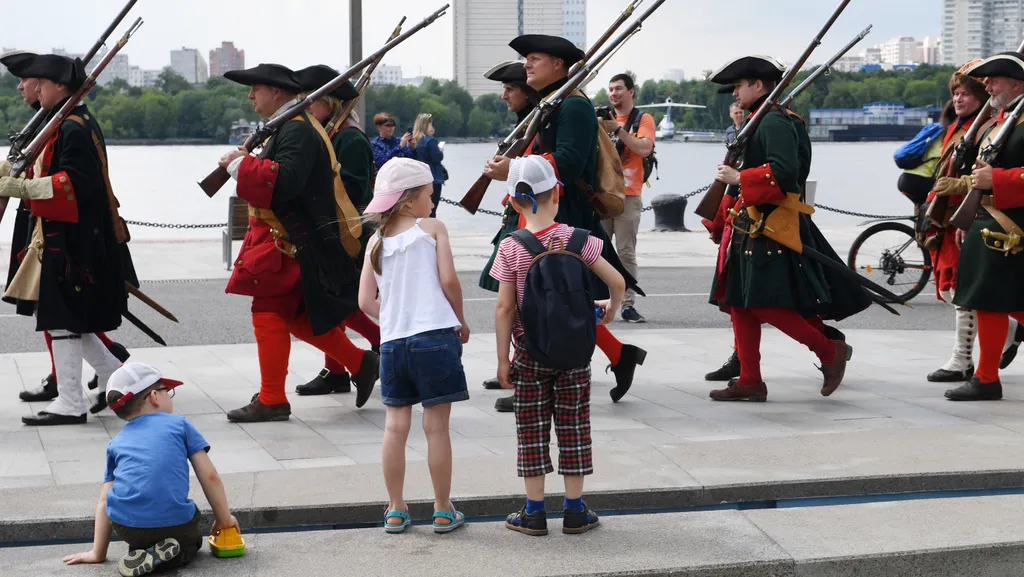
{"x": 424, "y": 368}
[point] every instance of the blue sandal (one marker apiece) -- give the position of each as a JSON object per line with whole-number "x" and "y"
{"x": 456, "y": 519}
{"x": 393, "y": 528}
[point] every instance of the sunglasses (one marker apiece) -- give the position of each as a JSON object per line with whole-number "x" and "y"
{"x": 170, "y": 392}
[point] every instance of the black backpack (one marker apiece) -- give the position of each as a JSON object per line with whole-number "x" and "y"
{"x": 557, "y": 311}
{"x": 632, "y": 126}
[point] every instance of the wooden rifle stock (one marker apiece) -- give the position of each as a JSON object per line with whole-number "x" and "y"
{"x": 708, "y": 206}
{"x": 215, "y": 181}
{"x": 964, "y": 216}
{"x": 471, "y": 202}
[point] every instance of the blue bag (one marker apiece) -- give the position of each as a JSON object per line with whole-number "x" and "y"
{"x": 911, "y": 154}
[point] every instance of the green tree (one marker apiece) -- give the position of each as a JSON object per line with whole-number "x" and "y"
{"x": 171, "y": 82}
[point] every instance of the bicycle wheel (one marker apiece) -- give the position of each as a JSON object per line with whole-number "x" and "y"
{"x": 888, "y": 254}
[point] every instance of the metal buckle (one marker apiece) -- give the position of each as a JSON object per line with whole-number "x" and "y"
{"x": 281, "y": 238}
{"x": 1006, "y": 243}
{"x": 756, "y": 227}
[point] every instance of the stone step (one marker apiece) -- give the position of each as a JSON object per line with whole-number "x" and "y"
{"x": 980, "y": 537}
{"x": 755, "y": 472}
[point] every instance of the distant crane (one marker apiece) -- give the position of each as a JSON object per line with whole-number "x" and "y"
{"x": 667, "y": 130}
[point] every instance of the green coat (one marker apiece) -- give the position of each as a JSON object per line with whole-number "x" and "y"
{"x": 355, "y": 155}
{"x": 986, "y": 279}
{"x": 760, "y": 272}
{"x": 570, "y": 139}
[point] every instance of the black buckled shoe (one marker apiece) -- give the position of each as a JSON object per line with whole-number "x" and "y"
{"x": 630, "y": 357}
{"x": 944, "y": 376}
{"x": 1011, "y": 353}
{"x": 534, "y": 524}
{"x": 975, "y": 390}
{"x": 100, "y": 404}
{"x": 325, "y": 383}
{"x": 94, "y": 383}
{"x": 492, "y": 384}
{"x": 505, "y": 404}
{"x": 45, "y": 392}
{"x": 368, "y": 374}
{"x": 44, "y": 419}
{"x": 118, "y": 350}
{"x": 730, "y": 370}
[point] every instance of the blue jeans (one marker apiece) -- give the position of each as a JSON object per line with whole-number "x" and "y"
{"x": 424, "y": 368}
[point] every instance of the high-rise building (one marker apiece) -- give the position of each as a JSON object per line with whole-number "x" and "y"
{"x": 226, "y": 58}
{"x": 901, "y": 51}
{"x": 190, "y": 65}
{"x": 386, "y": 75}
{"x": 483, "y": 29}
{"x": 979, "y": 28}
{"x": 574, "y": 26}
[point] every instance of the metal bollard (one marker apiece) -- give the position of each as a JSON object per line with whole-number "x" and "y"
{"x": 669, "y": 212}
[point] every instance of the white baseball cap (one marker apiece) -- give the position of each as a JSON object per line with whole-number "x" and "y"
{"x": 130, "y": 379}
{"x": 395, "y": 177}
{"x": 533, "y": 170}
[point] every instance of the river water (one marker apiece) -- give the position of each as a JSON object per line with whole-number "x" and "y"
{"x": 158, "y": 184}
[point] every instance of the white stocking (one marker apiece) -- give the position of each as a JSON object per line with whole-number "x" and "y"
{"x": 67, "y": 357}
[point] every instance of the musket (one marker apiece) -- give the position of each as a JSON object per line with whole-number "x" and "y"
{"x": 964, "y": 215}
{"x": 26, "y": 157}
{"x": 622, "y": 17}
{"x": 339, "y": 117}
{"x": 219, "y": 177}
{"x": 960, "y": 161}
{"x": 824, "y": 68}
{"x": 709, "y": 205}
{"x": 514, "y": 146}
{"x": 20, "y": 139}
{"x": 142, "y": 327}
{"x": 597, "y": 70}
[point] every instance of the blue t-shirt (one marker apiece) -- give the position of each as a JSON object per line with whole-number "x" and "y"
{"x": 148, "y": 463}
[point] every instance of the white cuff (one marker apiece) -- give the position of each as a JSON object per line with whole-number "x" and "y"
{"x": 35, "y": 189}
{"x": 233, "y": 167}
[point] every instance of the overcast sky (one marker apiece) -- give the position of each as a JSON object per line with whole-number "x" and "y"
{"x": 691, "y": 35}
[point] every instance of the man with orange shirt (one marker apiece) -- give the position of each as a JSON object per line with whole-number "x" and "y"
{"x": 636, "y": 133}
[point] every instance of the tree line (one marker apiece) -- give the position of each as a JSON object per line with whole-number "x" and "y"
{"x": 174, "y": 109}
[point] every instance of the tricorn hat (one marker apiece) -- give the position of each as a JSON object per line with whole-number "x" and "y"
{"x": 508, "y": 72}
{"x": 17, "y": 61}
{"x": 59, "y": 69}
{"x": 267, "y": 74}
{"x": 756, "y": 67}
{"x": 554, "y": 45}
{"x": 727, "y": 89}
{"x": 1004, "y": 64}
{"x": 315, "y": 77}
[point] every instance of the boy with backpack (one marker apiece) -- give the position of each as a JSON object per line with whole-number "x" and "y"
{"x": 545, "y": 305}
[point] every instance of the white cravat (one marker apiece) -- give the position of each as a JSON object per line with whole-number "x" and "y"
{"x": 236, "y": 163}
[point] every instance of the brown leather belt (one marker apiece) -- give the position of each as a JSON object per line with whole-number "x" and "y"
{"x": 1007, "y": 242}
{"x": 276, "y": 229}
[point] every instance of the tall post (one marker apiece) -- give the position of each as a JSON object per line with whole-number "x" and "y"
{"x": 355, "y": 51}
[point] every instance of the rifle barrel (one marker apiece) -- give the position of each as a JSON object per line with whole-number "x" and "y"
{"x": 622, "y": 17}
{"x": 110, "y": 30}
{"x": 823, "y": 68}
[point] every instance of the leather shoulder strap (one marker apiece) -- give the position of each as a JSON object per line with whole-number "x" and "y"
{"x": 120, "y": 229}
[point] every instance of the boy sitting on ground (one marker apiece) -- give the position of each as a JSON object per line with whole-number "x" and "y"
{"x": 145, "y": 490}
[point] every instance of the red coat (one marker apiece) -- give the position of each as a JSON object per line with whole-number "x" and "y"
{"x": 946, "y": 257}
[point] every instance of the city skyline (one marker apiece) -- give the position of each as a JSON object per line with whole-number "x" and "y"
{"x": 678, "y": 37}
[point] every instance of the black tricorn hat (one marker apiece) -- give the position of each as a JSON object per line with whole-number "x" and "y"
{"x": 508, "y": 72}
{"x": 267, "y": 74}
{"x": 59, "y": 69}
{"x": 16, "y": 62}
{"x": 315, "y": 77}
{"x": 554, "y": 45}
{"x": 727, "y": 89}
{"x": 1004, "y": 64}
{"x": 756, "y": 67}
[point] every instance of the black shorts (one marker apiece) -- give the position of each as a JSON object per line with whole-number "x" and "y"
{"x": 189, "y": 536}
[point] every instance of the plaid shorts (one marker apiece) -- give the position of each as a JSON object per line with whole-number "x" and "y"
{"x": 543, "y": 393}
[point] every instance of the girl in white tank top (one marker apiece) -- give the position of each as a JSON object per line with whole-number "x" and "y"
{"x": 409, "y": 263}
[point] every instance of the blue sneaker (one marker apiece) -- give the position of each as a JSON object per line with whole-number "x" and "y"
{"x": 629, "y": 314}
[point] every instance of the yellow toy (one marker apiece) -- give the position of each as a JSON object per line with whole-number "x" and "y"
{"x": 227, "y": 543}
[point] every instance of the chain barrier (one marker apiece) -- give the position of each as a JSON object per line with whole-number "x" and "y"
{"x": 861, "y": 214}
{"x": 498, "y": 214}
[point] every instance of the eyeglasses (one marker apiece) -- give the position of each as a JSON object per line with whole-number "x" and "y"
{"x": 170, "y": 392}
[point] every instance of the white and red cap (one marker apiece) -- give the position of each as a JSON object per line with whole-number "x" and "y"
{"x": 395, "y": 177}
{"x": 535, "y": 171}
{"x": 130, "y": 379}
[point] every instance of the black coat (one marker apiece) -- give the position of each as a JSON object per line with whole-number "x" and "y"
{"x": 82, "y": 283}
{"x": 303, "y": 200}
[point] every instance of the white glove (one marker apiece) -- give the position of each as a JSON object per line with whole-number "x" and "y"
{"x": 5, "y": 168}
{"x": 34, "y": 189}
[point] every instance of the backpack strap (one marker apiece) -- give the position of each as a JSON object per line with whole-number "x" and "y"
{"x": 529, "y": 242}
{"x": 577, "y": 241}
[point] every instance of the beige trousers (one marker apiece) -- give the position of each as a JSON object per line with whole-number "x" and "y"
{"x": 623, "y": 230}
